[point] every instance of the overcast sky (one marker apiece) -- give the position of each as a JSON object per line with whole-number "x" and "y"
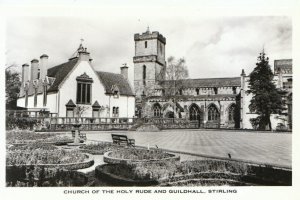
{"x": 212, "y": 46}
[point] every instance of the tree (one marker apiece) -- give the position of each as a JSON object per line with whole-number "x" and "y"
{"x": 12, "y": 88}
{"x": 169, "y": 81}
{"x": 267, "y": 99}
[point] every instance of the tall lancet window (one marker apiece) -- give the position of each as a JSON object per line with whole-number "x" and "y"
{"x": 84, "y": 89}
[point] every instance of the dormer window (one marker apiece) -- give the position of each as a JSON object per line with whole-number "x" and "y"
{"x": 84, "y": 89}
{"x": 115, "y": 91}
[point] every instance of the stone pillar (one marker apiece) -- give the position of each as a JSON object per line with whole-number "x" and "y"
{"x": 243, "y": 75}
{"x": 222, "y": 115}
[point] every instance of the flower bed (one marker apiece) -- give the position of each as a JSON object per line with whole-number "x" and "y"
{"x": 25, "y": 136}
{"x": 100, "y": 148}
{"x": 28, "y": 176}
{"x": 195, "y": 173}
{"x": 28, "y": 156}
{"x": 135, "y": 154}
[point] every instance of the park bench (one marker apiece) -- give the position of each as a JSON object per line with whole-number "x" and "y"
{"x": 122, "y": 140}
{"x": 82, "y": 136}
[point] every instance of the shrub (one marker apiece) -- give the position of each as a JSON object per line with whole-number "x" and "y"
{"x": 22, "y": 123}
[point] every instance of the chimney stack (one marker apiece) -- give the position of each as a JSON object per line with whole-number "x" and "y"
{"x": 124, "y": 71}
{"x": 25, "y": 73}
{"x": 84, "y": 55}
{"x": 34, "y": 69}
{"x": 43, "y": 66}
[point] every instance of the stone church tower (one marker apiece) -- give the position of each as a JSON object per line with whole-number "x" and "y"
{"x": 149, "y": 62}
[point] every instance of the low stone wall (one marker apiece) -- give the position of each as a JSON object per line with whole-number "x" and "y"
{"x": 69, "y": 166}
{"x": 108, "y": 159}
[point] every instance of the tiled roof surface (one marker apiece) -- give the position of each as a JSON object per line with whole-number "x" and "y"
{"x": 60, "y": 72}
{"x": 57, "y": 74}
{"x": 196, "y": 97}
{"x": 31, "y": 88}
{"x": 208, "y": 82}
{"x": 109, "y": 79}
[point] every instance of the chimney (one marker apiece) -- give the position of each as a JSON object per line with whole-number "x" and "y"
{"x": 43, "y": 66}
{"x": 84, "y": 55}
{"x": 34, "y": 69}
{"x": 124, "y": 71}
{"x": 25, "y": 73}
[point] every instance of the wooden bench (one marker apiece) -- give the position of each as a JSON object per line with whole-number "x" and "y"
{"x": 122, "y": 140}
{"x": 82, "y": 136}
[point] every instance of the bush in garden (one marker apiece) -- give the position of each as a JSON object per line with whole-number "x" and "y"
{"x": 22, "y": 123}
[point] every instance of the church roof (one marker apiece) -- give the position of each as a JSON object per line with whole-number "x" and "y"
{"x": 59, "y": 72}
{"x": 111, "y": 79}
{"x": 208, "y": 82}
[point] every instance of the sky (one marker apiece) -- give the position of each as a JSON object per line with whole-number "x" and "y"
{"x": 212, "y": 46}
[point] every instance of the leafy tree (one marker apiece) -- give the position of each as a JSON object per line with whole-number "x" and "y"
{"x": 12, "y": 89}
{"x": 267, "y": 99}
{"x": 170, "y": 83}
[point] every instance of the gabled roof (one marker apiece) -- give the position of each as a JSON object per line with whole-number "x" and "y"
{"x": 109, "y": 79}
{"x": 70, "y": 103}
{"x": 208, "y": 82}
{"x": 96, "y": 104}
{"x": 59, "y": 72}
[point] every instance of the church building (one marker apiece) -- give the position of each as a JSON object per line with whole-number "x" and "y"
{"x": 215, "y": 102}
{"x": 75, "y": 88}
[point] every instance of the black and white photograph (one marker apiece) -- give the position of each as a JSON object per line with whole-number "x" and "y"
{"x": 159, "y": 100}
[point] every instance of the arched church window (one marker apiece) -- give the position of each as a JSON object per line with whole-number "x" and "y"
{"x": 231, "y": 110}
{"x": 213, "y": 113}
{"x": 156, "y": 110}
{"x": 195, "y": 112}
{"x": 197, "y": 91}
{"x": 144, "y": 74}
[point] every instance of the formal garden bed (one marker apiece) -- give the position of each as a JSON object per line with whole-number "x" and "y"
{"x": 19, "y": 137}
{"x": 100, "y": 148}
{"x": 134, "y": 155}
{"x": 46, "y": 155}
{"x": 193, "y": 173}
